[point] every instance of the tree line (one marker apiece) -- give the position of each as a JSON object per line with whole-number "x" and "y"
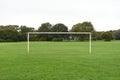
{"x": 15, "y": 33}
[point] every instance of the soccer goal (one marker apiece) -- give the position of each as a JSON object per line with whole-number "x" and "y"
{"x": 64, "y": 33}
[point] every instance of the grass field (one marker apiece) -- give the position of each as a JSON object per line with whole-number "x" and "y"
{"x": 60, "y": 61}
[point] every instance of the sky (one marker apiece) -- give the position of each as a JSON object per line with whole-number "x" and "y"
{"x": 103, "y": 14}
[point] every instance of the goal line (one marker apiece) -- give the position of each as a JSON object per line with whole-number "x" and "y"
{"x": 28, "y": 34}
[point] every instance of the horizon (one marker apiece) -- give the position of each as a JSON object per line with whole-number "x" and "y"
{"x": 69, "y": 28}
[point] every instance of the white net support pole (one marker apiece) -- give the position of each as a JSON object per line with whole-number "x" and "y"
{"x": 90, "y": 50}
{"x": 28, "y": 34}
{"x": 28, "y": 43}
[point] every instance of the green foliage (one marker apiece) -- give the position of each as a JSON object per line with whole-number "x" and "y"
{"x": 43, "y": 39}
{"x": 13, "y": 33}
{"x": 23, "y": 32}
{"x": 107, "y": 36}
{"x": 83, "y": 27}
{"x": 60, "y": 61}
{"x": 59, "y": 28}
{"x": 117, "y": 35}
{"x": 97, "y": 35}
{"x": 24, "y": 29}
{"x": 57, "y": 39}
{"x": 76, "y": 27}
{"x": 45, "y": 27}
{"x": 9, "y": 33}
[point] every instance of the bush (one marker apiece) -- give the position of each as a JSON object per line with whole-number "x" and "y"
{"x": 57, "y": 39}
{"x": 107, "y": 36}
{"x": 2, "y": 40}
{"x": 42, "y": 39}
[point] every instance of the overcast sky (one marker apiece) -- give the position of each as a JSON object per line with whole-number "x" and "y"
{"x": 104, "y": 14}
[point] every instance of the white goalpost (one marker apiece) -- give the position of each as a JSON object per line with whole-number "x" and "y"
{"x": 28, "y": 34}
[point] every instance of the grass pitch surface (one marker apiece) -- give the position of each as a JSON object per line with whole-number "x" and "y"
{"x": 60, "y": 61}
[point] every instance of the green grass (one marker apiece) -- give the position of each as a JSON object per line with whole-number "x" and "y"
{"x": 60, "y": 61}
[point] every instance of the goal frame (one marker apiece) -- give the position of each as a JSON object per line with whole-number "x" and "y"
{"x": 28, "y": 40}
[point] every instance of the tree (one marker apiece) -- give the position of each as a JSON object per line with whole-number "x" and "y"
{"x": 59, "y": 28}
{"x": 98, "y": 35}
{"x": 9, "y": 33}
{"x": 23, "y": 32}
{"x": 87, "y": 27}
{"x": 45, "y": 27}
{"x": 117, "y": 35}
{"x": 107, "y": 36}
{"x": 83, "y": 27}
{"x": 76, "y": 28}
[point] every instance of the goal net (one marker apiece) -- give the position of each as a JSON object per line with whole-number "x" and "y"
{"x": 57, "y": 33}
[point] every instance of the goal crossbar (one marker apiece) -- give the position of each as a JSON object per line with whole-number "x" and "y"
{"x": 59, "y": 32}
{"x": 89, "y": 33}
